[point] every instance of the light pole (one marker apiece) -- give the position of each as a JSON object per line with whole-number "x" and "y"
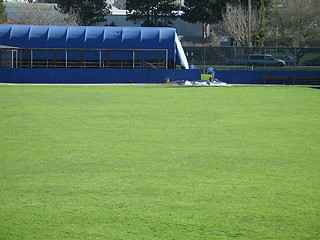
{"x": 249, "y": 15}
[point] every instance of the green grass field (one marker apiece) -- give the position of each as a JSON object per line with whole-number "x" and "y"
{"x": 159, "y": 162}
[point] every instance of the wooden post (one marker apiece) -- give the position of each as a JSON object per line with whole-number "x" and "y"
{"x": 108, "y": 52}
{"x": 55, "y": 52}
{"x": 82, "y": 52}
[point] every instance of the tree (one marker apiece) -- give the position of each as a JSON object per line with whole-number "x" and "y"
{"x": 264, "y": 9}
{"x": 299, "y": 24}
{"x": 260, "y": 36}
{"x": 3, "y": 14}
{"x": 210, "y": 12}
{"x": 89, "y": 12}
{"x": 152, "y": 13}
{"x": 21, "y": 1}
{"x": 205, "y": 11}
{"x": 235, "y": 23}
{"x": 36, "y": 14}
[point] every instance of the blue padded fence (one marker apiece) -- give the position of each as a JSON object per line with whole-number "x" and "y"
{"x": 88, "y": 76}
{"x": 254, "y": 77}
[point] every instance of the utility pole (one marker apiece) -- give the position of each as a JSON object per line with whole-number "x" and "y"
{"x": 249, "y": 16}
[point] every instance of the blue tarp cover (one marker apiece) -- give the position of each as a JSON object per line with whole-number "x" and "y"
{"x": 93, "y": 37}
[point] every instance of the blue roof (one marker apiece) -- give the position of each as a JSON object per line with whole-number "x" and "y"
{"x": 93, "y": 37}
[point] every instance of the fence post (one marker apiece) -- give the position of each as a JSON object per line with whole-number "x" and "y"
{"x": 265, "y": 59}
{"x": 295, "y": 58}
{"x": 235, "y": 57}
{"x": 204, "y": 59}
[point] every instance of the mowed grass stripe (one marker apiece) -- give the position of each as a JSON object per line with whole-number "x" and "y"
{"x": 159, "y": 162}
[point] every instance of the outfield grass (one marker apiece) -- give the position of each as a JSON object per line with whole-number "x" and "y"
{"x": 159, "y": 162}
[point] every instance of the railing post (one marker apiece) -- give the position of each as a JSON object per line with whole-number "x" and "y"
{"x": 17, "y": 58}
{"x": 12, "y": 58}
{"x": 133, "y": 56}
{"x": 31, "y": 56}
{"x": 66, "y": 58}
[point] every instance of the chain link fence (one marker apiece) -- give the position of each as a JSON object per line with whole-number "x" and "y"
{"x": 253, "y": 58}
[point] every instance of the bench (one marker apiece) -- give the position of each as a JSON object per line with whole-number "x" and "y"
{"x": 275, "y": 79}
{"x": 305, "y": 79}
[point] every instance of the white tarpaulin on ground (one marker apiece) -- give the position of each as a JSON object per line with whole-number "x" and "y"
{"x": 205, "y": 83}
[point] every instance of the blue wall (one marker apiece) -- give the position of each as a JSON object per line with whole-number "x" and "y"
{"x": 62, "y": 75}
{"x": 254, "y": 77}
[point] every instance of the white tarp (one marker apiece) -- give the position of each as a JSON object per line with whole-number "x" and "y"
{"x": 205, "y": 83}
{"x": 181, "y": 55}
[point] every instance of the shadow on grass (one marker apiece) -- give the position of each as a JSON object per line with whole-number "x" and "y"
{"x": 318, "y": 88}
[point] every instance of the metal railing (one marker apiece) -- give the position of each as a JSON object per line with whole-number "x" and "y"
{"x": 85, "y": 58}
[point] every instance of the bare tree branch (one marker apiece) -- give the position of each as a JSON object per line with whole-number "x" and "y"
{"x": 235, "y": 23}
{"x": 38, "y": 14}
{"x": 299, "y": 23}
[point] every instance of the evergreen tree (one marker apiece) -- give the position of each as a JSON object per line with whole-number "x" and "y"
{"x": 152, "y": 13}
{"x": 207, "y": 11}
{"x": 259, "y": 38}
{"x": 89, "y": 12}
{"x": 3, "y": 14}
